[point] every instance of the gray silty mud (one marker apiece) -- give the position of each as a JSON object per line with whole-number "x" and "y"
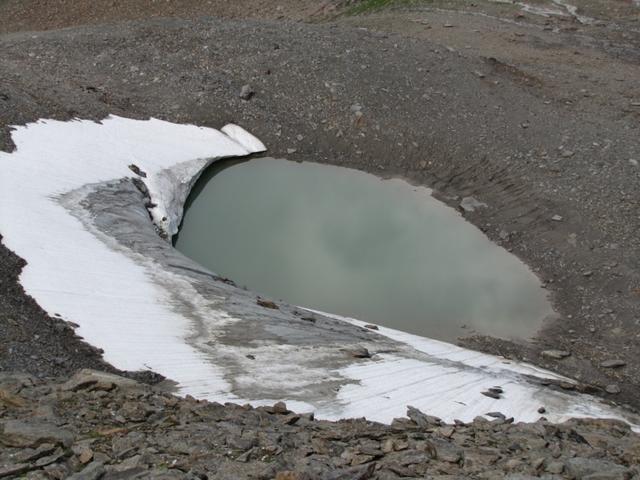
{"x": 117, "y": 210}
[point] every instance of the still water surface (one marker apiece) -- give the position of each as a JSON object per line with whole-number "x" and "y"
{"x": 347, "y": 242}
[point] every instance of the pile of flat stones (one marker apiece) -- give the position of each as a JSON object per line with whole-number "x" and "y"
{"x": 101, "y": 426}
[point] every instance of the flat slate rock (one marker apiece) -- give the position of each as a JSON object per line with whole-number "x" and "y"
{"x": 615, "y": 363}
{"x": 32, "y": 433}
{"x": 94, "y": 379}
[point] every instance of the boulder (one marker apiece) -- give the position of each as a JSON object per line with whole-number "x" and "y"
{"x": 583, "y": 468}
{"x": 93, "y": 471}
{"x": 421, "y": 419}
{"x": 95, "y": 380}
{"x": 32, "y": 433}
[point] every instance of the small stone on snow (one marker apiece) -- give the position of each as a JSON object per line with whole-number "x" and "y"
{"x": 360, "y": 352}
{"x": 491, "y": 394}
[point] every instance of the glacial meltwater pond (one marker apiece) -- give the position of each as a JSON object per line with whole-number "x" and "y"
{"x": 347, "y": 242}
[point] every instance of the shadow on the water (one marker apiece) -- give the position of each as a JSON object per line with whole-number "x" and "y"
{"x": 211, "y": 171}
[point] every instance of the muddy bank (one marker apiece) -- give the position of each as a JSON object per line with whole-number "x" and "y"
{"x": 393, "y": 106}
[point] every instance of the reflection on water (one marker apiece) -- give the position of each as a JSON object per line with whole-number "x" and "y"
{"x": 346, "y": 242}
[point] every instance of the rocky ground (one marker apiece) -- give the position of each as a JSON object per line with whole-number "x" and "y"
{"x": 98, "y": 425}
{"x": 535, "y": 116}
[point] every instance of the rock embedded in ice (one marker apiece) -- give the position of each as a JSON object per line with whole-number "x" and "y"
{"x": 491, "y": 394}
{"x": 360, "y": 352}
{"x": 267, "y": 304}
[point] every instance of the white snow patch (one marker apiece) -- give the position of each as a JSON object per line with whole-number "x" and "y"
{"x": 72, "y": 272}
{"x": 244, "y": 138}
{"x": 449, "y": 385}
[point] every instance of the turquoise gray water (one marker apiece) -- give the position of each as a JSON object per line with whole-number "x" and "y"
{"x": 347, "y": 242}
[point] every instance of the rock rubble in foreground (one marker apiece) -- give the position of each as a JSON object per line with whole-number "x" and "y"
{"x": 97, "y": 425}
